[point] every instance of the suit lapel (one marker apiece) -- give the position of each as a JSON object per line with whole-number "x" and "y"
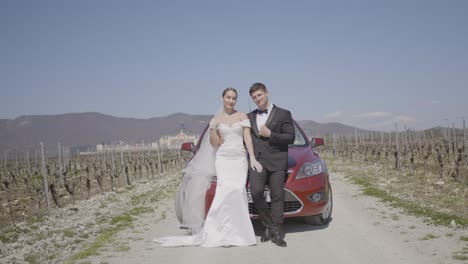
{"x": 270, "y": 117}
{"x": 253, "y": 121}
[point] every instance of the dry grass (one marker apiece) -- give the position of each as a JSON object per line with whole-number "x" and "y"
{"x": 441, "y": 200}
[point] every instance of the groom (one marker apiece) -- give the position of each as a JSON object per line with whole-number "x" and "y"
{"x": 272, "y": 131}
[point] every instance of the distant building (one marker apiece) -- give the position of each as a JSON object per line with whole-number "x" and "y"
{"x": 175, "y": 141}
{"x": 122, "y": 146}
{"x": 165, "y": 142}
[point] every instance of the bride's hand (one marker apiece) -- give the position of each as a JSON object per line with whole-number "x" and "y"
{"x": 220, "y": 138}
{"x": 256, "y": 166}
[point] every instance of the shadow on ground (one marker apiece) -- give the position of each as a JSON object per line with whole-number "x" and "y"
{"x": 291, "y": 225}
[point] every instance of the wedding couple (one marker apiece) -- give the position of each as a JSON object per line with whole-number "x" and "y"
{"x": 266, "y": 133}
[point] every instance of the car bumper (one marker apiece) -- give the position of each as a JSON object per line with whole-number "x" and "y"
{"x": 303, "y": 197}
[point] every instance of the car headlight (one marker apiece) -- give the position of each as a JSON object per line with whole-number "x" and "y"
{"x": 310, "y": 169}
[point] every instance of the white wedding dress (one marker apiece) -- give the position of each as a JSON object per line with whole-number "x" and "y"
{"x": 227, "y": 222}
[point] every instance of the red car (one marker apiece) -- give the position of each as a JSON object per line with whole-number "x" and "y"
{"x": 308, "y": 193}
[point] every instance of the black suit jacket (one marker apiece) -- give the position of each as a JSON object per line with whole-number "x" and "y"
{"x": 272, "y": 152}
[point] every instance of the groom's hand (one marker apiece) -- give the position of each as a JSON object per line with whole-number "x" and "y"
{"x": 220, "y": 139}
{"x": 264, "y": 131}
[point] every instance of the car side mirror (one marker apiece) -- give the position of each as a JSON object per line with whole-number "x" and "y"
{"x": 315, "y": 142}
{"x": 188, "y": 146}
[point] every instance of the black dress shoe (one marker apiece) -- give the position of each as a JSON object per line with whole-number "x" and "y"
{"x": 277, "y": 238}
{"x": 266, "y": 235}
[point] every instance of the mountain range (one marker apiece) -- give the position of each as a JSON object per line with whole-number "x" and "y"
{"x": 84, "y": 130}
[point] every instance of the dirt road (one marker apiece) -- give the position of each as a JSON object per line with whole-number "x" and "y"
{"x": 363, "y": 230}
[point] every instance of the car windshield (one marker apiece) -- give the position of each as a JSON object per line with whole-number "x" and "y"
{"x": 299, "y": 141}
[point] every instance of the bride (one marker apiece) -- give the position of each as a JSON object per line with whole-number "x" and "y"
{"x": 227, "y": 222}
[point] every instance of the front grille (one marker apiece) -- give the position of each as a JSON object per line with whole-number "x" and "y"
{"x": 292, "y": 206}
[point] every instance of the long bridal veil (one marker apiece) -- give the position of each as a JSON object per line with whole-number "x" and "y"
{"x": 197, "y": 175}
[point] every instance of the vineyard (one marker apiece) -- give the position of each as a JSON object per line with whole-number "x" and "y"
{"x": 430, "y": 170}
{"x": 406, "y": 151}
{"x": 32, "y": 186}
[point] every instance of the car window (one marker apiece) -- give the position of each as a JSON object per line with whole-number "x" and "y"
{"x": 299, "y": 141}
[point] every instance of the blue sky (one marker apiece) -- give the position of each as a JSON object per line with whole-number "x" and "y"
{"x": 363, "y": 63}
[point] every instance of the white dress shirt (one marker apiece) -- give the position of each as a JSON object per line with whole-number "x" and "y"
{"x": 262, "y": 118}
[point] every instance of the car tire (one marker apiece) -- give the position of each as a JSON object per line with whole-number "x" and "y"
{"x": 325, "y": 217}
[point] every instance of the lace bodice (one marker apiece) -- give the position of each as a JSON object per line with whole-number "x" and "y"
{"x": 233, "y": 136}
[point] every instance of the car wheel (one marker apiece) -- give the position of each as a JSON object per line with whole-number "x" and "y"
{"x": 325, "y": 217}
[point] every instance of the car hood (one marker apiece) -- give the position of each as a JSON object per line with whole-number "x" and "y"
{"x": 298, "y": 155}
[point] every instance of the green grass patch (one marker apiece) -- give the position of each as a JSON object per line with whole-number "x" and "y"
{"x": 428, "y": 236}
{"x": 77, "y": 241}
{"x": 465, "y": 250}
{"x": 150, "y": 196}
{"x": 69, "y": 232}
{"x": 459, "y": 256}
{"x": 41, "y": 236}
{"x": 84, "y": 236}
{"x": 118, "y": 223}
{"x": 124, "y": 220}
{"x": 139, "y": 199}
{"x": 11, "y": 235}
{"x": 35, "y": 220}
{"x": 8, "y": 238}
{"x": 31, "y": 259}
{"x": 140, "y": 210}
{"x": 102, "y": 220}
{"x": 464, "y": 238}
{"x": 107, "y": 236}
{"x": 51, "y": 257}
{"x": 435, "y": 217}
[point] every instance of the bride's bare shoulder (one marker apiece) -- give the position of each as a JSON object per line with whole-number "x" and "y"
{"x": 216, "y": 118}
{"x": 214, "y": 122}
{"x": 242, "y": 115}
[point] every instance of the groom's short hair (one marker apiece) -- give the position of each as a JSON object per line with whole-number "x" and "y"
{"x": 257, "y": 86}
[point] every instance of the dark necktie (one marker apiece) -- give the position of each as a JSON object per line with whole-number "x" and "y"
{"x": 263, "y": 111}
